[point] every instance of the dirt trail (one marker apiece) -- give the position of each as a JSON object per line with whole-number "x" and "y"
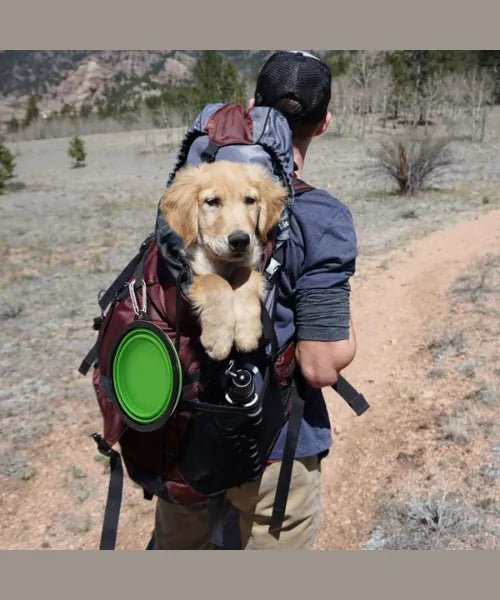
{"x": 395, "y": 311}
{"x": 397, "y": 299}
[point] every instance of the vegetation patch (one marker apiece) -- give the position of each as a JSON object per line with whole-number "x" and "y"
{"x": 439, "y": 522}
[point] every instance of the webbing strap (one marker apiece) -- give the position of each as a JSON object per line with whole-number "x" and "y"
{"x": 89, "y": 360}
{"x": 278, "y": 254}
{"x": 124, "y": 276}
{"x": 139, "y": 271}
{"x": 114, "y": 499}
{"x": 178, "y": 290}
{"x": 285, "y": 475}
{"x": 216, "y": 515}
{"x": 269, "y": 331}
{"x": 355, "y": 400}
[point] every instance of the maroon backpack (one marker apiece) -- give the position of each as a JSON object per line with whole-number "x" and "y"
{"x": 206, "y": 446}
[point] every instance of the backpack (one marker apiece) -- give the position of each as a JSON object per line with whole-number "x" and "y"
{"x": 205, "y": 443}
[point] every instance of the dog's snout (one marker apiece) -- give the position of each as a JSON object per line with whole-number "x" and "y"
{"x": 239, "y": 240}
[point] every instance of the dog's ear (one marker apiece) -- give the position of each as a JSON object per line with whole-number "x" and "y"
{"x": 179, "y": 204}
{"x": 272, "y": 199}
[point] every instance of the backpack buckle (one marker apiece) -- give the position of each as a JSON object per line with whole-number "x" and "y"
{"x": 102, "y": 445}
{"x": 105, "y": 449}
{"x": 208, "y": 155}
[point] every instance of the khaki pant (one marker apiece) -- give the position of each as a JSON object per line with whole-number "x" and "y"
{"x": 180, "y": 527}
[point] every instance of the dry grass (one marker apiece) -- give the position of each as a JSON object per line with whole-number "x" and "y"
{"x": 440, "y": 522}
{"x": 464, "y": 363}
{"x": 455, "y": 428}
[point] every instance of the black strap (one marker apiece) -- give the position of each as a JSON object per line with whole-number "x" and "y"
{"x": 89, "y": 360}
{"x": 355, "y": 400}
{"x": 178, "y": 290}
{"x": 151, "y": 543}
{"x": 125, "y": 275}
{"x": 285, "y": 475}
{"x": 208, "y": 155}
{"x": 139, "y": 271}
{"x": 268, "y": 331}
{"x": 216, "y": 515}
{"x": 114, "y": 499}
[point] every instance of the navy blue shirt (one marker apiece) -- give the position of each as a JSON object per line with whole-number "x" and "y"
{"x": 313, "y": 298}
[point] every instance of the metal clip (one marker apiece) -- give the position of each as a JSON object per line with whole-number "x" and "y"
{"x": 140, "y": 313}
{"x": 230, "y": 372}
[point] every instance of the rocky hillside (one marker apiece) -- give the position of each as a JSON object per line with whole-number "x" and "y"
{"x": 78, "y": 77}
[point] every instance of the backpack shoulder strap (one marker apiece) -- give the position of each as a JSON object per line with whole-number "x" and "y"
{"x": 300, "y": 186}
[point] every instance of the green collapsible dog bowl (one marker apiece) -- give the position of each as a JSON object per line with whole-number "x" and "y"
{"x": 146, "y": 376}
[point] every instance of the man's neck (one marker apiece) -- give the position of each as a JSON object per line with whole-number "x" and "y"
{"x": 299, "y": 161}
{"x": 299, "y": 153}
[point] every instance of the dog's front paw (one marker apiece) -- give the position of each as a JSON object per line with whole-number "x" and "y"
{"x": 248, "y": 332}
{"x": 212, "y": 298}
{"x": 217, "y": 341}
{"x": 247, "y": 343}
{"x": 247, "y": 293}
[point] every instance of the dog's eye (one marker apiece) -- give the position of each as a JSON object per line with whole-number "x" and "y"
{"x": 212, "y": 201}
{"x": 249, "y": 200}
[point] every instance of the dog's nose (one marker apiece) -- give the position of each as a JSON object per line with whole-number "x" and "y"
{"x": 238, "y": 240}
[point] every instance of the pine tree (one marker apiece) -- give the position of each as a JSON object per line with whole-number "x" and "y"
{"x": 216, "y": 80}
{"x": 32, "y": 111}
{"x": 7, "y": 165}
{"x": 13, "y": 125}
{"x": 232, "y": 89}
{"x": 206, "y": 75}
{"x": 76, "y": 151}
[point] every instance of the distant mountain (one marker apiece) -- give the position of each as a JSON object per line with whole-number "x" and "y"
{"x": 24, "y": 72}
{"x": 74, "y": 77}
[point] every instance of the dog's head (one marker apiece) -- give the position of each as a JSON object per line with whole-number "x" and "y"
{"x": 226, "y": 207}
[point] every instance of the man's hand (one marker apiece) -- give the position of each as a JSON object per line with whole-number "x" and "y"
{"x": 321, "y": 362}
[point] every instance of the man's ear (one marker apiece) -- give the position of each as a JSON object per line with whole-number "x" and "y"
{"x": 179, "y": 204}
{"x": 323, "y": 124}
{"x": 251, "y": 103}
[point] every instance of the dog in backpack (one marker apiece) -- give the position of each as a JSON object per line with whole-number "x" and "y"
{"x": 224, "y": 211}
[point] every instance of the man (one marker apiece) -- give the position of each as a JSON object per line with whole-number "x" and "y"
{"x": 313, "y": 309}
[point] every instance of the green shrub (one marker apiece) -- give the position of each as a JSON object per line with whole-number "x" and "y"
{"x": 7, "y": 165}
{"x": 76, "y": 151}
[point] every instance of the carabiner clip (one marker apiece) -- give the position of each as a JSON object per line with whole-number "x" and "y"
{"x": 140, "y": 313}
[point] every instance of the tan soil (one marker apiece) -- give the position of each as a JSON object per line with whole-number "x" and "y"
{"x": 399, "y": 298}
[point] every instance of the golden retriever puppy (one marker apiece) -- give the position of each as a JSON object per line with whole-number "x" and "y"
{"x": 224, "y": 211}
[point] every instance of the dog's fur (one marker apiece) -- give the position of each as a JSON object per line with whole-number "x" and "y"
{"x": 205, "y": 205}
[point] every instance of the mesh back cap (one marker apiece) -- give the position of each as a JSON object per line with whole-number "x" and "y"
{"x": 296, "y": 75}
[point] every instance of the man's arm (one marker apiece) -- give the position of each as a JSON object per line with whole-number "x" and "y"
{"x": 326, "y": 249}
{"x": 321, "y": 361}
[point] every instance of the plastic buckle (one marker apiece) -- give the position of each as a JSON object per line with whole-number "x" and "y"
{"x": 102, "y": 445}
